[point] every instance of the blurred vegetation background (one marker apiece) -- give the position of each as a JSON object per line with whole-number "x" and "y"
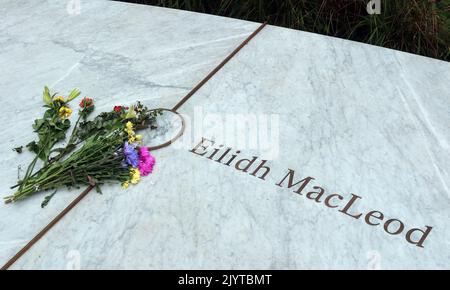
{"x": 416, "y": 26}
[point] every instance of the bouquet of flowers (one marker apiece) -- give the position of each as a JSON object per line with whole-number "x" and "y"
{"x": 103, "y": 150}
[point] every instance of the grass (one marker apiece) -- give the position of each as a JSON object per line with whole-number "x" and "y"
{"x": 416, "y": 26}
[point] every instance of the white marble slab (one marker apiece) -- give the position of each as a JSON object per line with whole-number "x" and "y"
{"x": 116, "y": 52}
{"x": 360, "y": 119}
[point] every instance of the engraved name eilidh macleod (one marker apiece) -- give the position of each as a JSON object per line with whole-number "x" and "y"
{"x": 345, "y": 205}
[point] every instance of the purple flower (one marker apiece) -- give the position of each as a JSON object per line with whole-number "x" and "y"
{"x": 131, "y": 155}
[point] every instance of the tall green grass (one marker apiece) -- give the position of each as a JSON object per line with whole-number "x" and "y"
{"x": 416, "y": 26}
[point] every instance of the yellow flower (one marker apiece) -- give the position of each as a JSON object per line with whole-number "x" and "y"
{"x": 135, "y": 175}
{"x": 65, "y": 112}
{"x": 125, "y": 184}
{"x": 59, "y": 99}
{"x": 131, "y": 134}
{"x": 129, "y": 127}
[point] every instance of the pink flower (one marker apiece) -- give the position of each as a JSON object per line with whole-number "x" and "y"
{"x": 146, "y": 161}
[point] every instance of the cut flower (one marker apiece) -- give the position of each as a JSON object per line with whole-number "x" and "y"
{"x": 59, "y": 99}
{"x": 86, "y": 103}
{"x": 131, "y": 156}
{"x": 135, "y": 176}
{"x": 146, "y": 161}
{"x": 101, "y": 150}
{"x": 65, "y": 112}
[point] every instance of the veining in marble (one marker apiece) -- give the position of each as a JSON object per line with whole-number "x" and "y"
{"x": 359, "y": 119}
{"x": 115, "y": 52}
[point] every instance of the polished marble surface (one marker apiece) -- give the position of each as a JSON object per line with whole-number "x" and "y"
{"x": 359, "y": 119}
{"x": 116, "y": 52}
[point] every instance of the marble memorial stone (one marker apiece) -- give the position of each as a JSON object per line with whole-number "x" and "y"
{"x": 302, "y": 152}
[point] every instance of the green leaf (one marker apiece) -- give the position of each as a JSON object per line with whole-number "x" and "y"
{"x": 47, "y": 199}
{"x": 49, "y": 113}
{"x": 38, "y": 124}
{"x": 131, "y": 114}
{"x": 33, "y": 147}
{"x": 46, "y": 96}
{"x": 75, "y": 93}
